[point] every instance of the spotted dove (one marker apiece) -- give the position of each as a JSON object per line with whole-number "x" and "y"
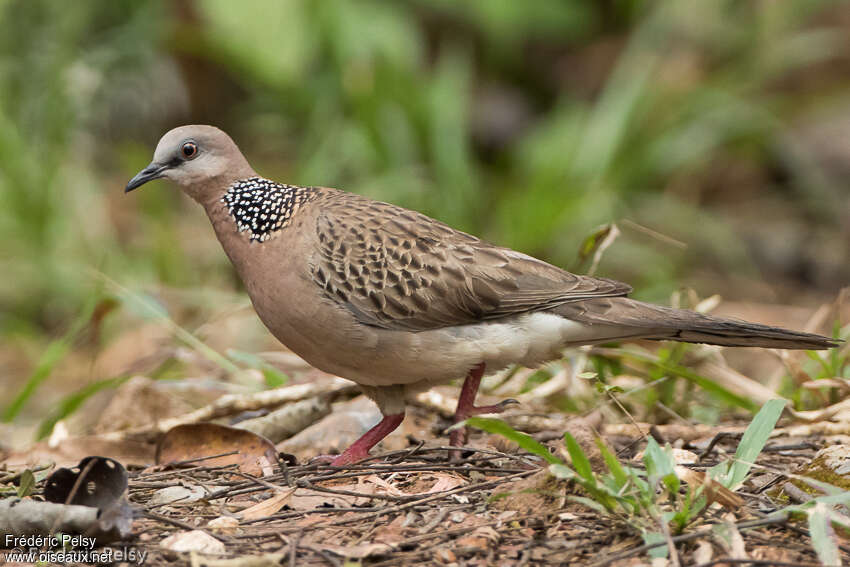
{"x": 399, "y": 302}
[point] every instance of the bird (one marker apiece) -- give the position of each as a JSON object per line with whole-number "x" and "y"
{"x": 399, "y": 302}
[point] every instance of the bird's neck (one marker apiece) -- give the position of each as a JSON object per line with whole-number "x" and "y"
{"x": 253, "y": 210}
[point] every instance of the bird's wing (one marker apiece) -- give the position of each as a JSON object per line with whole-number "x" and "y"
{"x": 398, "y": 269}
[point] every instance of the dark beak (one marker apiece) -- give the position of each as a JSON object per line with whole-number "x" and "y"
{"x": 151, "y": 172}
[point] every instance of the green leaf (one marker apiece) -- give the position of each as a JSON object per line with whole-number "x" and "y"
{"x": 842, "y": 498}
{"x": 26, "y": 483}
{"x": 589, "y": 502}
{"x": 660, "y": 466}
{"x": 613, "y": 464}
{"x": 753, "y": 441}
{"x": 823, "y": 540}
{"x": 562, "y": 471}
{"x": 524, "y": 441}
{"x": 652, "y": 538}
{"x": 581, "y": 463}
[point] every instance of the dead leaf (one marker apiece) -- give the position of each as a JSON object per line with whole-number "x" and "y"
{"x": 177, "y": 495}
{"x": 387, "y": 487}
{"x": 267, "y": 560}
{"x": 444, "y": 483}
{"x": 225, "y": 524}
{"x": 360, "y": 551}
{"x": 196, "y": 540}
{"x": 445, "y": 555}
{"x": 730, "y": 538}
{"x": 267, "y": 507}
{"x": 254, "y": 454}
{"x": 703, "y": 553}
{"x": 680, "y": 456}
{"x": 713, "y": 490}
{"x": 472, "y": 541}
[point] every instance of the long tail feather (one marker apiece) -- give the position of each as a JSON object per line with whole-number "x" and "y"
{"x": 648, "y": 321}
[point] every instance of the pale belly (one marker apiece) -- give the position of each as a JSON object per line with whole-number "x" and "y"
{"x": 378, "y": 357}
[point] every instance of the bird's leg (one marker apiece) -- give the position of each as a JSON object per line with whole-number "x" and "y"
{"x": 359, "y": 450}
{"x": 466, "y": 404}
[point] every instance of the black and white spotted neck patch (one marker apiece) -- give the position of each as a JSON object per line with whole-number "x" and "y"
{"x": 264, "y": 207}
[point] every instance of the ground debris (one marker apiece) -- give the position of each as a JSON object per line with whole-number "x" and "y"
{"x": 406, "y": 507}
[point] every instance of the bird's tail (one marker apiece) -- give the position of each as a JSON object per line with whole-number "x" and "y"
{"x": 621, "y": 317}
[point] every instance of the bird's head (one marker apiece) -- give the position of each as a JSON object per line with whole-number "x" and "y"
{"x": 202, "y": 160}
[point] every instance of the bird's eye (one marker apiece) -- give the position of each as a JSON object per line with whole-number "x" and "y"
{"x": 190, "y": 150}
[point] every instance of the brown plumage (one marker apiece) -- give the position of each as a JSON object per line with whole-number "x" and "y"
{"x": 397, "y": 301}
{"x": 398, "y": 269}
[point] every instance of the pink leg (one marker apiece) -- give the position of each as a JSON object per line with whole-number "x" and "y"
{"x": 466, "y": 404}
{"x": 359, "y": 450}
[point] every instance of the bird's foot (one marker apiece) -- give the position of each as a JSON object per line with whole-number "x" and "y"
{"x": 359, "y": 450}
{"x": 349, "y": 457}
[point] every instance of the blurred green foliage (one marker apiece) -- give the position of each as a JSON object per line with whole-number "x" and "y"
{"x": 529, "y": 123}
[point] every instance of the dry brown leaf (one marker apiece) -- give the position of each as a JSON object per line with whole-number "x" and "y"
{"x": 386, "y": 486}
{"x": 703, "y": 553}
{"x": 360, "y": 551}
{"x": 178, "y": 495}
{"x": 472, "y": 541}
{"x": 392, "y": 533}
{"x": 445, "y": 482}
{"x": 254, "y": 454}
{"x": 224, "y": 524}
{"x": 713, "y": 490}
{"x": 195, "y": 540}
{"x": 267, "y": 507}
{"x": 267, "y": 560}
{"x": 680, "y": 456}
{"x": 730, "y": 537}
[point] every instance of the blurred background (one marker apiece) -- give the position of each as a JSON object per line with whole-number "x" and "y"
{"x": 715, "y": 134}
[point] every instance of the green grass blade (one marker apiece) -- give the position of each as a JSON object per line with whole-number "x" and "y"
{"x": 660, "y": 466}
{"x": 524, "y": 441}
{"x": 823, "y": 540}
{"x": 753, "y": 441}
{"x": 581, "y": 463}
{"x": 613, "y": 464}
{"x": 589, "y": 502}
{"x": 26, "y": 484}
